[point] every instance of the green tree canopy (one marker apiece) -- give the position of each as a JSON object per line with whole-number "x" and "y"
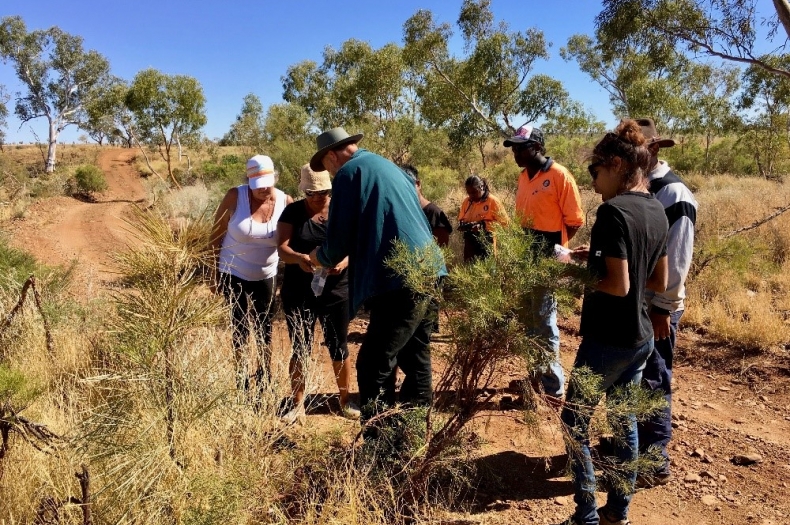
{"x": 59, "y": 76}
{"x": 167, "y": 109}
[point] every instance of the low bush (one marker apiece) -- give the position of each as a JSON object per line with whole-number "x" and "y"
{"x": 89, "y": 179}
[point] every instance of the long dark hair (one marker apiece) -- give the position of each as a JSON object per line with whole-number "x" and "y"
{"x": 478, "y": 182}
{"x": 627, "y": 143}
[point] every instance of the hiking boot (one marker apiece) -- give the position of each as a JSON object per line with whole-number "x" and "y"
{"x": 648, "y": 481}
{"x": 605, "y": 519}
{"x": 295, "y": 415}
{"x": 351, "y": 411}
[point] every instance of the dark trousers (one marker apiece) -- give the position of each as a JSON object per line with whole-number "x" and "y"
{"x": 252, "y": 310}
{"x": 301, "y": 313}
{"x": 657, "y": 431}
{"x": 398, "y": 335}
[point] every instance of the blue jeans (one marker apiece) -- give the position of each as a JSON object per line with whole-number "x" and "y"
{"x": 617, "y": 366}
{"x": 545, "y": 328}
{"x": 657, "y": 431}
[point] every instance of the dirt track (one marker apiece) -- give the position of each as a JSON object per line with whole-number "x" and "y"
{"x": 727, "y": 401}
{"x": 62, "y": 229}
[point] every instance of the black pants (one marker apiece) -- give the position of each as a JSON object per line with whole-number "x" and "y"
{"x": 477, "y": 245}
{"x": 252, "y": 310}
{"x": 398, "y": 335}
{"x": 301, "y": 312}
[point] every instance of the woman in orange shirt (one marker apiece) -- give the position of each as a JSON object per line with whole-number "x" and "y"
{"x": 479, "y": 211}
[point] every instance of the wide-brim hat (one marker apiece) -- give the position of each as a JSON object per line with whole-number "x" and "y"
{"x": 260, "y": 172}
{"x": 314, "y": 180}
{"x": 651, "y": 134}
{"x": 329, "y": 140}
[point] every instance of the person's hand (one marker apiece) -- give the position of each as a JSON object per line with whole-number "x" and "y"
{"x": 477, "y": 226}
{"x": 660, "y": 322}
{"x": 314, "y": 259}
{"x": 339, "y": 267}
{"x": 582, "y": 253}
{"x": 305, "y": 264}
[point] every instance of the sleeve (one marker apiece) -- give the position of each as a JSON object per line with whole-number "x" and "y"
{"x": 570, "y": 201}
{"x": 499, "y": 213}
{"x": 464, "y": 206}
{"x": 341, "y": 225}
{"x": 444, "y": 221}
{"x": 611, "y": 229}
{"x": 288, "y": 216}
{"x": 679, "y": 250}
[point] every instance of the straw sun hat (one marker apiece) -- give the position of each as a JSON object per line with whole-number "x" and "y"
{"x": 314, "y": 181}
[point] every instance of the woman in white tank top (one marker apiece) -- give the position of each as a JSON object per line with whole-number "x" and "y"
{"x": 244, "y": 240}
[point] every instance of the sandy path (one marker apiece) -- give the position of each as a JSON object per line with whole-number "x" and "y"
{"x": 60, "y": 230}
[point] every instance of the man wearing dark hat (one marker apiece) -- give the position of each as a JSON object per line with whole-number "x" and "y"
{"x": 374, "y": 203}
{"x": 666, "y": 308}
{"x": 549, "y": 207}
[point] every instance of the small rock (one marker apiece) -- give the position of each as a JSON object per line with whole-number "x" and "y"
{"x": 707, "y": 474}
{"x": 692, "y": 478}
{"x": 561, "y": 500}
{"x": 709, "y": 499}
{"x": 712, "y": 406}
{"x": 763, "y": 399}
{"x": 730, "y": 498}
{"x": 724, "y": 388}
{"x": 698, "y": 452}
{"x": 707, "y": 459}
{"x": 722, "y": 478}
{"x": 747, "y": 459}
{"x": 739, "y": 421}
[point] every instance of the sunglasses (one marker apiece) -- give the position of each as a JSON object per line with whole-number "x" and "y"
{"x": 593, "y": 169}
{"x": 320, "y": 193}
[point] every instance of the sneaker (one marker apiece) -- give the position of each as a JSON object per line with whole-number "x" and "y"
{"x": 648, "y": 481}
{"x": 351, "y": 410}
{"x": 295, "y": 415}
{"x": 604, "y": 519}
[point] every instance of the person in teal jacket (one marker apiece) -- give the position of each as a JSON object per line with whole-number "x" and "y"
{"x": 374, "y": 203}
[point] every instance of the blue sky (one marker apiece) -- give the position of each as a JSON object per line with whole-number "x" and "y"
{"x": 239, "y": 47}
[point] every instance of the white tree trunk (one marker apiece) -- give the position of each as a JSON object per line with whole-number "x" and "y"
{"x": 783, "y": 12}
{"x": 53, "y": 142}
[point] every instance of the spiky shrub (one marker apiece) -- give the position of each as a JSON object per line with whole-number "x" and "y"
{"x": 491, "y": 309}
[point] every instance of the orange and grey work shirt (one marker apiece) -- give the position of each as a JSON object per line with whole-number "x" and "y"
{"x": 550, "y": 202}
{"x": 488, "y": 210}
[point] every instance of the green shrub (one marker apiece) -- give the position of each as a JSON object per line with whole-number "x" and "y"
{"x": 89, "y": 179}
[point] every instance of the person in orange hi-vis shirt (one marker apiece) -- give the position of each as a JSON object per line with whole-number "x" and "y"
{"x": 549, "y": 208}
{"x": 476, "y": 218}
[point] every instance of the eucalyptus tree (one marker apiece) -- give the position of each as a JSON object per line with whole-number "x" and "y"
{"x": 167, "y": 110}
{"x": 725, "y": 29}
{"x": 360, "y": 87}
{"x": 488, "y": 92}
{"x": 248, "y": 128}
{"x": 107, "y": 117}
{"x": 767, "y": 99}
{"x": 4, "y": 98}
{"x": 59, "y": 76}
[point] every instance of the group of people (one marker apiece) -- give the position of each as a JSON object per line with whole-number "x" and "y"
{"x": 335, "y": 241}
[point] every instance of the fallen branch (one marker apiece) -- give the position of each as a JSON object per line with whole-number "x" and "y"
{"x": 759, "y": 223}
{"x": 30, "y": 283}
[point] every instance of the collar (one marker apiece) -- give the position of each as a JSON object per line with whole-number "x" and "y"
{"x": 547, "y": 164}
{"x": 661, "y": 169}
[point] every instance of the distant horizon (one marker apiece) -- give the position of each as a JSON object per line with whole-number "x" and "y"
{"x": 235, "y": 50}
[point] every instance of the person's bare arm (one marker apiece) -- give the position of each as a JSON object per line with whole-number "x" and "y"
{"x": 616, "y": 282}
{"x": 659, "y": 279}
{"x": 286, "y": 253}
{"x": 220, "y": 228}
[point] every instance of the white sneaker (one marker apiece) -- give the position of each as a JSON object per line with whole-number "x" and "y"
{"x": 351, "y": 410}
{"x": 295, "y": 415}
